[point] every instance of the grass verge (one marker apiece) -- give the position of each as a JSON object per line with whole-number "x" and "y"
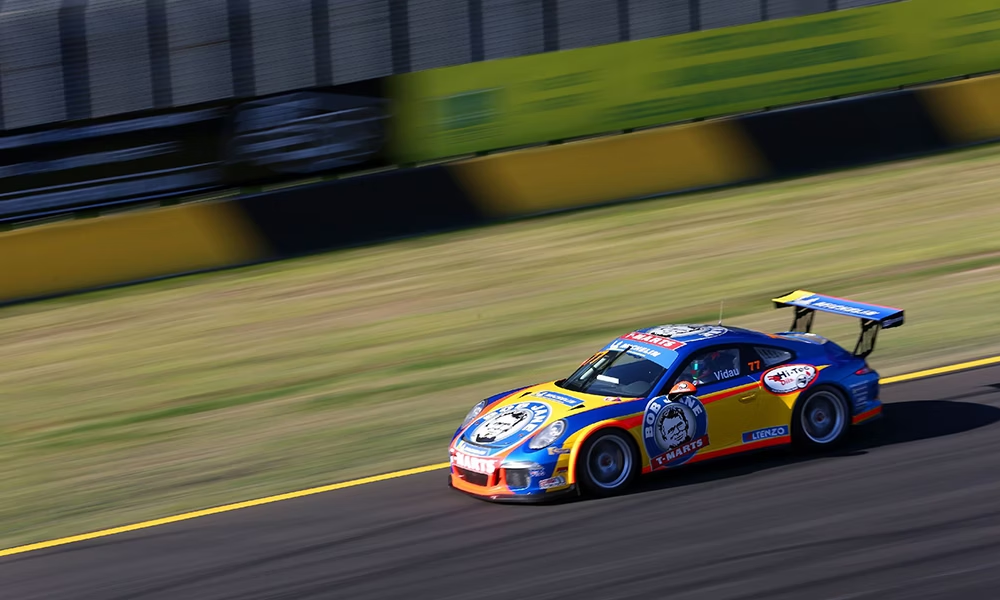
{"x": 176, "y": 395}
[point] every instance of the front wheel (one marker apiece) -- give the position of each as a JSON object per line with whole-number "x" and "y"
{"x": 607, "y": 464}
{"x": 822, "y": 419}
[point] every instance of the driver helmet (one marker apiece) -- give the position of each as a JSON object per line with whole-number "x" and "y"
{"x": 705, "y": 365}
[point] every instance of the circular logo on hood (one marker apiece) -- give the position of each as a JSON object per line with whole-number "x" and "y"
{"x": 694, "y": 332}
{"x": 507, "y": 425}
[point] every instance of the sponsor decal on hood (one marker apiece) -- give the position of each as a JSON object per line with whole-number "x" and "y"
{"x": 507, "y": 426}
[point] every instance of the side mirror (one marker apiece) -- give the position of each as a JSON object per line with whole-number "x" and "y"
{"x": 682, "y": 388}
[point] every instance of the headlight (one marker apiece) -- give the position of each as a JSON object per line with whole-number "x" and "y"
{"x": 547, "y": 435}
{"x": 474, "y": 412}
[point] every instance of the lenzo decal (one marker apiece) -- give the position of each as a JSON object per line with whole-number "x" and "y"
{"x": 765, "y": 434}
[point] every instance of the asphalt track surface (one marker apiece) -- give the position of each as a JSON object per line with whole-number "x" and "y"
{"x": 910, "y": 509}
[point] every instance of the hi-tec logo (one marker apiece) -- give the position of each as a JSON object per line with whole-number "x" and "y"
{"x": 474, "y": 463}
{"x": 786, "y": 379}
{"x": 814, "y": 301}
{"x": 765, "y": 434}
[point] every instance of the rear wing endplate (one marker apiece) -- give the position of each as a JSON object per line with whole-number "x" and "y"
{"x": 873, "y": 317}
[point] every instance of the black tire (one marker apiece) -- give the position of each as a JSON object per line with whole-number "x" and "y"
{"x": 608, "y": 464}
{"x": 821, "y": 419}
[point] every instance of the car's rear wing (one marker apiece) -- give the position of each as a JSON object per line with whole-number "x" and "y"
{"x": 873, "y": 317}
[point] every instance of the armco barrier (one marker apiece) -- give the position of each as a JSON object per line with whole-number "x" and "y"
{"x": 91, "y": 253}
{"x": 844, "y": 133}
{"x": 62, "y": 258}
{"x": 387, "y": 205}
{"x": 966, "y": 111}
{"x": 646, "y": 163}
{"x": 506, "y": 103}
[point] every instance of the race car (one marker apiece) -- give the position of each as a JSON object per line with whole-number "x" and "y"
{"x": 660, "y": 397}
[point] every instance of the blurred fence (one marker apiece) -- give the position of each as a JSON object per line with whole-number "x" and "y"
{"x": 108, "y": 102}
{"x": 502, "y": 104}
{"x": 81, "y": 254}
{"x": 80, "y": 59}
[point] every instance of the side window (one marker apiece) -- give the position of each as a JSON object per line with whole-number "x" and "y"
{"x": 712, "y": 366}
{"x": 770, "y": 357}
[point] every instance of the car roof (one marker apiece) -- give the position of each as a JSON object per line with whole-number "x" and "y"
{"x": 666, "y": 344}
{"x": 692, "y": 336}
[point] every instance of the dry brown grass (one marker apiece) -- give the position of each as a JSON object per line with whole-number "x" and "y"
{"x": 180, "y": 394}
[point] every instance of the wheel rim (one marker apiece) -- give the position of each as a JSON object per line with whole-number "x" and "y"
{"x": 609, "y": 462}
{"x": 823, "y": 417}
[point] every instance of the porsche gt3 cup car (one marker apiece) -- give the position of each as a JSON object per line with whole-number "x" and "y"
{"x": 661, "y": 397}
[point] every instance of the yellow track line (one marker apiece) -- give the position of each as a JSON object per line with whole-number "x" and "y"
{"x": 218, "y": 509}
{"x": 374, "y": 478}
{"x": 972, "y": 364}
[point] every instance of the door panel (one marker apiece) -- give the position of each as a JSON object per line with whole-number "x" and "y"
{"x": 729, "y": 394}
{"x": 775, "y": 411}
{"x": 733, "y": 407}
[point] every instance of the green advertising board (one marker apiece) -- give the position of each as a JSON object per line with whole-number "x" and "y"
{"x": 506, "y": 103}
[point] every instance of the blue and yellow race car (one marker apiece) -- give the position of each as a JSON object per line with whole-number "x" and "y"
{"x": 661, "y": 397}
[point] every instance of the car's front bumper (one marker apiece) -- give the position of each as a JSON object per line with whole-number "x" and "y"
{"x": 514, "y": 480}
{"x": 496, "y": 494}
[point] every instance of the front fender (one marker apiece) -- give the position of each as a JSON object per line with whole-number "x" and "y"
{"x": 630, "y": 423}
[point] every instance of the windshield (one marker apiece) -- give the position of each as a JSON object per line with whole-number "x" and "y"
{"x": 615, "y": 373}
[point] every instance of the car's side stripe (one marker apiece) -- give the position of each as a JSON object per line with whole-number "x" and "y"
{"x": 775, "y": 441}
{"x": 723, "y": 394}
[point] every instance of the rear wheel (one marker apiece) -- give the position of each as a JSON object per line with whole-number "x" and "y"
{"x": 822, "y": 419}
{"x": 607, "y": 464}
